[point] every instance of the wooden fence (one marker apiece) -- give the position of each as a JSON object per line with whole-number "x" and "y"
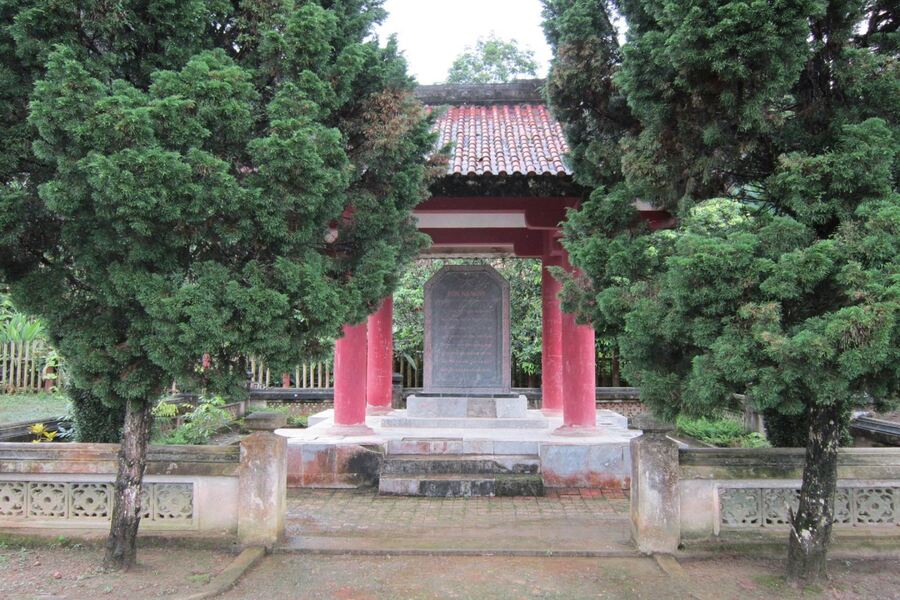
{"x": 22, "y": 363}
{"x": 318, "y": 375}
{"x": 21, "y": 367}
{"x": 313, "y": 375}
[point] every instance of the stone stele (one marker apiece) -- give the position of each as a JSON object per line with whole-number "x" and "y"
{"x": 467, "y": 331}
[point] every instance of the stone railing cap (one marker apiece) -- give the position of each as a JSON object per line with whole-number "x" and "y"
{"x": 650, "y": 424}
{"x": 265, "y": 421}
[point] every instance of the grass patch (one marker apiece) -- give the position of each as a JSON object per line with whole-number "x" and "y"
{"x": 17, "y": 408}
{"x": 23, "y": 543}
{"x": 200, "y": 578}
{"x": 774, "y": 583}
{"x": 723, "y": 433}
{"x": 298, "y": 421}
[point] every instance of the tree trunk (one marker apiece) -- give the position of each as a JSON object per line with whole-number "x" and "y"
{"x": 121, "y": 543}
{"x": 811, "y": 526}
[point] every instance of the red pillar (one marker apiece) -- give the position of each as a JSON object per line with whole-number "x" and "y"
{"x": 579, "y": 375}
{"x": 350, "y": 380}
{"x": 551, "y": 336}
{"x": 380, "y": 358}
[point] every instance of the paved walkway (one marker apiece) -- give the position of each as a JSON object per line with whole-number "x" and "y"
{"x": 574, "y": 523}
{"x": 724, "y": 577}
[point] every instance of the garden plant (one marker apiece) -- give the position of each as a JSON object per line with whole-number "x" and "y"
{"x": 202, "y": 176}
{"x": 770, "y": 131}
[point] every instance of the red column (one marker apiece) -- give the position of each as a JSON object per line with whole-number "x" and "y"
{"x": 350, "y": 380}
{"x": 551, "y": 336}
{"x": 579, "y": 375}
{"x": 380, "y": 358}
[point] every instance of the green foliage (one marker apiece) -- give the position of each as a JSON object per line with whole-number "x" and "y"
{"x": 725, "y": 433}
{"x": 786, "y": 431}
{"x": 791, "y": 431}
{"x": 171, "y": 172}
{"x": 770, "y": 131}
{"x": 93, "y": 420}
{"x": 165, "y": 410}
{"x": 492, "y": 60}
{"x": 205, "y": 420}
{"x": 16, "y": 326}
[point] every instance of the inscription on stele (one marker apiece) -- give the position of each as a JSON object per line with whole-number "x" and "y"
{"x": 466, "y": 331}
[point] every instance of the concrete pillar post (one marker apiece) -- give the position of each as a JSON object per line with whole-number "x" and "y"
{"x": 262, "y": 481}
{"x": 579, "y": 372}
{"x": 551, "y": 340}
{"x": 350, "y": 381}
{"x": 380, "y": 358}
{"x": 655, "y": 502}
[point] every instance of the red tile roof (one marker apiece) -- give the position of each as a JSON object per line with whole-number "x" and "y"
{"x": 503, "y": 139}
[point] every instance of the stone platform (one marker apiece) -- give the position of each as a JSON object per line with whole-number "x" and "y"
{"x": 466, "y": 412}
{"x": 319, "y": 457}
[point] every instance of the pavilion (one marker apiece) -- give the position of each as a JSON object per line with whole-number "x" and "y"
{"x": 505, "y": 193}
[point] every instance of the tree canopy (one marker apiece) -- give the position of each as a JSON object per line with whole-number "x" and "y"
{"x": 770, "y": 130}
{"x": 785, "y": 189}
{"x": 492, "y": 60}
{"x": 202, "y": 177}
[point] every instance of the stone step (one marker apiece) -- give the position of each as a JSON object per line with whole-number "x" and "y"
{"x": 441, "y": 446}
{"x": 470, "y": 464}
{"x": 459, "y": 407}
{"x": 461, "y": 485}
{"x": 465, "y": 423}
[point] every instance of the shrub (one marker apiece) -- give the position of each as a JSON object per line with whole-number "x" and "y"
{"x": 207, "y": 419}
{"x": 94, "y": 421}
{"x": 724, "y": 433}
{"x": 792, "y": 431}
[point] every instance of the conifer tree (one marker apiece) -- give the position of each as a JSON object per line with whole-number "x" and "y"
{"x": 770, "y": 130}
{"x": 201, "y": 176}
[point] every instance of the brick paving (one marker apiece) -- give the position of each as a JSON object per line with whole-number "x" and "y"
{"x": 579, "y": 521}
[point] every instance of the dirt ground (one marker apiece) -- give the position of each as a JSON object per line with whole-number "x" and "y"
{"x": 512, "y": 578}
{"x": 66, "y": 569}
{"x": 752, "y": 578}
{"x": 70, "y": 570}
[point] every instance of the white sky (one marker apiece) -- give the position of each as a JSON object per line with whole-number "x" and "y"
{"x": 432, "y": 33}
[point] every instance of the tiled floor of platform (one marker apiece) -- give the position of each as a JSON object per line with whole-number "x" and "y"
{"x": 585, "y": 522}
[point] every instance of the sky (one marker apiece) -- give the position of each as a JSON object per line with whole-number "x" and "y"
{"x": 432, "y": 33}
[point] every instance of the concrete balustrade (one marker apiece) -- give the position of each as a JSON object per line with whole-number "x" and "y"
{"x": 207, "y": 490}
{"x": 689, "y": 496}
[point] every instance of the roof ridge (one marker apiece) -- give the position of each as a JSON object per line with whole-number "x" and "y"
{"x": 519, "y": 91}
